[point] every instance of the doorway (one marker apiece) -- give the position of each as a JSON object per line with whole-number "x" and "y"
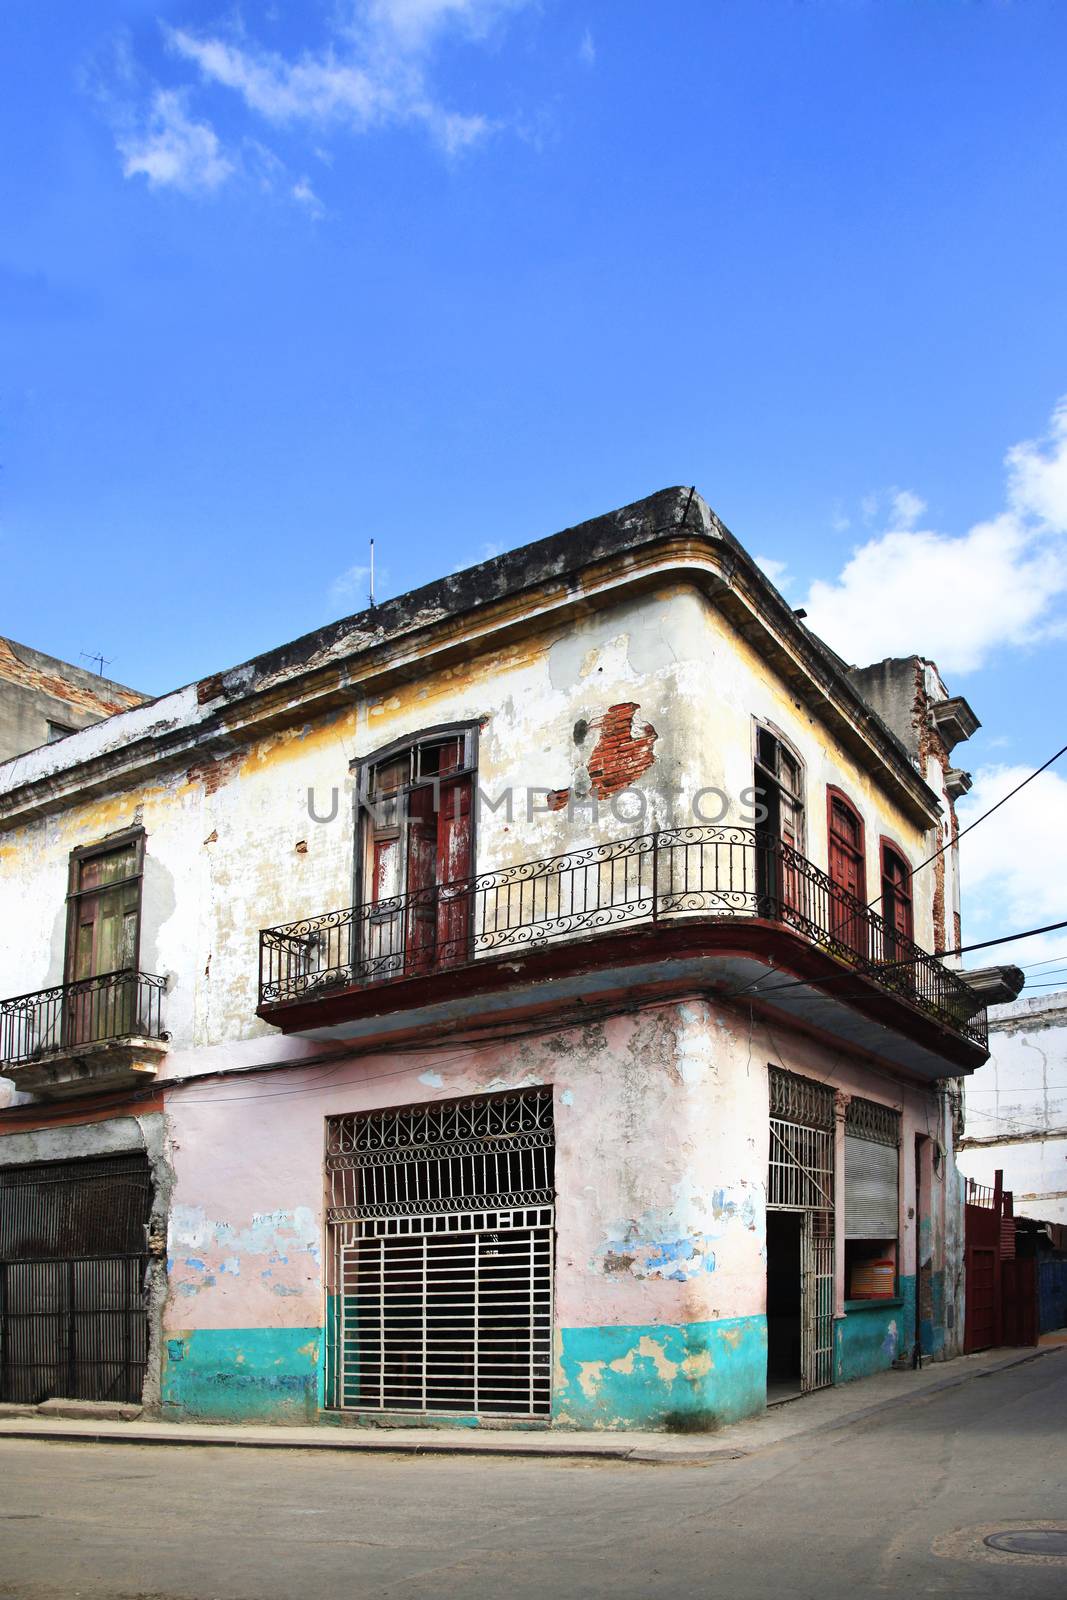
{"x": 784, "y": 1281}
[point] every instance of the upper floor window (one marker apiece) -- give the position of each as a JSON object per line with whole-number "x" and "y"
{"x": 58, "y": 730}
{"x": 780, "y": 788}
{"x": 416, "y": 851}
{"x": 896, "y": 897}
{"x": 847, "y": 870}
{"x": 104, "y": 907}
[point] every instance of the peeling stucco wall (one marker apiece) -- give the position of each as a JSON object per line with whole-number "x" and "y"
{"x": 662, "y": 1135}
{"x": 661, "y": 689}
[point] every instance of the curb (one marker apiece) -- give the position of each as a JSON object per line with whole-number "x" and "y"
{"x": 394, "y": 1445}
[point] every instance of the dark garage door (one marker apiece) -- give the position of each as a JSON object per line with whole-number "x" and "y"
{"x": 73, "y": 1259}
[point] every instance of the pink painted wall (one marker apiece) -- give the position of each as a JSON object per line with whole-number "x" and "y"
{"x": 661, "y": 1124}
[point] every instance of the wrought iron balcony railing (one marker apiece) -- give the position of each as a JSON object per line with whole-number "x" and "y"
{"x": 72, "y": 1016}
{"x": 729, "y": 873}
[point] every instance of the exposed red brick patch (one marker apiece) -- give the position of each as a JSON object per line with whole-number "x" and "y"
{"x": 209, "y": 688}
{"x": 619, "y": 756}
{"x": 213, "y": 774}
{"x": 110, "y": 698}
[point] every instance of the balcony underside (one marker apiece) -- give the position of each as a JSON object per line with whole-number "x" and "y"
{"x": 99, "y": 1066}
{"x": 785, "y": 978}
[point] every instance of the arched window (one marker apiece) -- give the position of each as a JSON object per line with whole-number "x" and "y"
{"x": 896, "y": 902}
{"x": 848, "y": 918}
{"x": 779, "y": 786}
{"x": 415, "y": 853}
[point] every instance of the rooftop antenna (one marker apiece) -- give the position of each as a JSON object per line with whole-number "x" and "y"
{"x": 372, "y": 574}
{"x": 99, "y": 657}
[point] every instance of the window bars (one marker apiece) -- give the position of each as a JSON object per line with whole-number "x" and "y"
{"x": 801, "y": 1100}
{"x": 866, "y": 1119}
{"x": 441, "y": 1226}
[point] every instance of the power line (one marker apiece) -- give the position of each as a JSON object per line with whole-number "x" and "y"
{"x": 892, "y": 966}
{"x": 1002, "y": 802}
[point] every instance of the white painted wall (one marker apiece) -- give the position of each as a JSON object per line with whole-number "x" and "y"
{"x": 1016, "y": 1107}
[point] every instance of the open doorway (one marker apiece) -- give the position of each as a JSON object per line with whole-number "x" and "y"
{"x": 783, "y": 1305}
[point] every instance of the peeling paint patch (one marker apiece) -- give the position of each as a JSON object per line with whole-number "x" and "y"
{"x": 689, "y": 1377}
{"x": 432, "y": 1080}
{"x": 242, "y": 1374}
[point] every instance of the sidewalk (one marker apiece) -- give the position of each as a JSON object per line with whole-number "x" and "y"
{"x": 823, "y": 1412}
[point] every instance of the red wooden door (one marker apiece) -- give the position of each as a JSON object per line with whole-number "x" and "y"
{"x": 421, "y": 881}
{"x": 848, "y": 921}
{"x": 453, "y": 871}
{"x": 1018, "y": 1278}
{"x": 980, "y": 1321}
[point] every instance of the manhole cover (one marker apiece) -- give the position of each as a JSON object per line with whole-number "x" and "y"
{"x": 1030, "y": 1541}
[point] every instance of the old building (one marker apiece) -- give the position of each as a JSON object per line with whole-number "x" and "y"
{"x": 510, "y": 1003}
{"x": 42, "y": 699}
{"x": 1016, "y": 1107}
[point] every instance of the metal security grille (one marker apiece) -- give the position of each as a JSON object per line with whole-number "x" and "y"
{"x": 441, "y": 1221}
{"x": 73, "y": 1311}
{"x": 817, "y": 1301}
{"x": 866, "y": 1119}
{"x": 800, "y": 1177}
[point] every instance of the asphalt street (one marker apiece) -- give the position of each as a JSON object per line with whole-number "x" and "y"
{"x": 894, "y": 1505}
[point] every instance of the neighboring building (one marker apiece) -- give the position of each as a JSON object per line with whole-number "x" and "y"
{"x": 42, "y": 699}
{"x": 1016, "y": 1107}
{"x": 478, "y": 1005}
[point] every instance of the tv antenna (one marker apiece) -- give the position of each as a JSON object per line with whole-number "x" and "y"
{"x": 101, "y": 660}
{"x": 372, "y": 574}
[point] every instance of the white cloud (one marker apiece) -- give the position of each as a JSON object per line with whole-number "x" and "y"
{"x": 957, "y": 597}
{"x": 317, "y": 89}
{"x": 305, "y": 196}
{"x": 775, "y": 570}
{"x": 1014, "y": 865}
{"x": 352, "y": 584}
{"x": 172, "y": 150}
{"x": 1037, "y": 482}
{"x": 412, "y": 24}
{"x": 907, "y": 508}
{"x": 587, "y": 49}
{"x": 373, "y": 72}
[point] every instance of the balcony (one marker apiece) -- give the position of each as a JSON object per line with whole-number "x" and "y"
{"x": 725, "y": 908}
{"x": 104, "y": 1032}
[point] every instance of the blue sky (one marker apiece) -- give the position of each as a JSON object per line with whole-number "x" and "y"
{"x": 457, "y": 273}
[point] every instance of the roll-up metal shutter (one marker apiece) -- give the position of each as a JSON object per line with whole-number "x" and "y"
{"x": 872, "y": 1181}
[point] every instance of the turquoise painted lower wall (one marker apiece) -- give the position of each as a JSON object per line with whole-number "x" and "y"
{"x": 687, "y": 1378}
{"x": 242, "y": 1374}
{"x": 868, "y": 1338}
{"x": 932, "y": 1323}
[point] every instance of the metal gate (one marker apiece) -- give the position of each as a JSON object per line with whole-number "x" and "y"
{"x": 73, "y": 1263}
{"x": 800, "y": 1177}
{"x": 441, "y": 1222}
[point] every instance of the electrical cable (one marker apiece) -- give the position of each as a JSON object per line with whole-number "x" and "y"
{"x": 1002, "y": 802}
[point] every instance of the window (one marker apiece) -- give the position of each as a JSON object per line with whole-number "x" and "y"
{"x": 896, "y": 903}
{"x": 848, "y": 916}
{"x": 780, "y": 787}
{"x": 415, "y": 854}
{"x": 58, "y": 730}
{"x": 103, "y": 933}
{"x": 779, "y": 784}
